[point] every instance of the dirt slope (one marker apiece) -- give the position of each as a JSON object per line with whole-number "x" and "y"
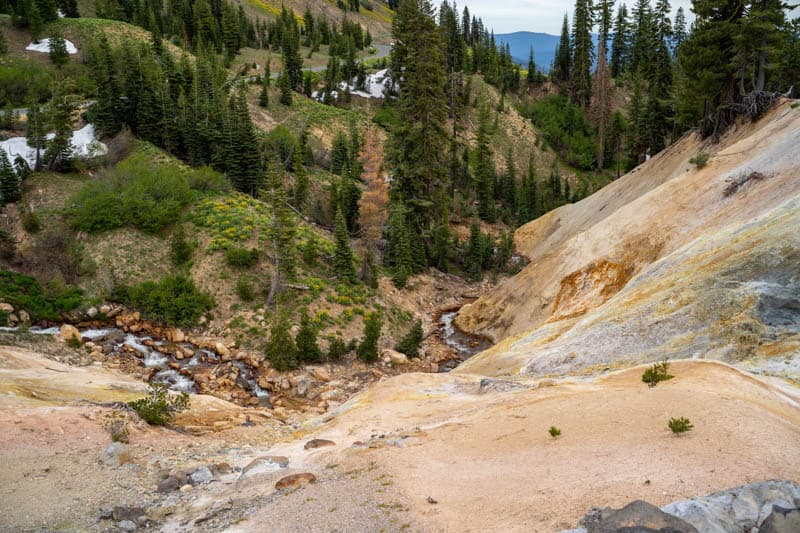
{"x": 582, "y": 255}
{"x": 487, "y": 458}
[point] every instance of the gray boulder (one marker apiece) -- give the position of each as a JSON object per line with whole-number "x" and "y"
{"x": 636, "y": 517}
{"x": 201, "y": 475}
{"x": 781, "y": 521}
{"x": 116, "y": 454}
{"x": 737, "y": 509}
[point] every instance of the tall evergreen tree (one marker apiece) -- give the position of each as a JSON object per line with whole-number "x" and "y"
{"x": 620, "y": 43}
{"x": 35, "y": 132}
{"x": 583, "y": 53}
{"x": 242, "y": 155}
{"x": 368, "y": 348}
{"x": 679, "y": 31}
{"x": 281, "y": 350}
{"x": 562, "y": 62}
{"x": 343, "y": 255}
{"x": 9, "y": 182}
{"x": 58, "y": 50}
{"x": 282, "y": 231}
{"x": 484, "y": 168}
{"x": 308, "y": 351}
{"x": 531, "y": 76}
{"x": 59, "y": 149}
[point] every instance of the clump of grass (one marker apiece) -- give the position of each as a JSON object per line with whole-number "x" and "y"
{"x": 679, "y": 425}
{"x": 554, "y": 431}
{"x": 160, "y": 406}
{"x": 657, "y": 373}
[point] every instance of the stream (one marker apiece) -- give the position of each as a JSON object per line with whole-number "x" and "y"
{"x": 464, "y": 344}
{"x": 165, "y": 366}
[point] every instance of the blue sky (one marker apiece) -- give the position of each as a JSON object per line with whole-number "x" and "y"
{"x": 507, "y": 16}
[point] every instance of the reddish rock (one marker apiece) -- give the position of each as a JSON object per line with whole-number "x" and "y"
{"x": 313, "y": 444}
{"x": 295, "y": 481}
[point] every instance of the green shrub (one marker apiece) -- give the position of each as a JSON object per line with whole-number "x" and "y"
{"x": 175, "y": 300}
{"x": 180, "y": 248}
{"x": 566, "y": 128}
{"x": 281, "y": 351}
{"x": 138, "y": 193}
{"x": 387, "y": 118}
{"x": 206, "y": 179}
{"x": 368, "y": 348}
{"x": 25, "y": 292}
{"x": 241, "y": 257}
{"x": 160, "y": 406}
{"x": 336, "y": 347}
{"x": 657, "y": 373}
{"x": 31, "y": 222}
{"x": 700, "y": 160}
{"x": 554, "y": 431}
{"x": 679, "y": 425}
{"x": 409, "y": 345}
{"x": 244, "y": 290}
{"x": 306, "y": 340}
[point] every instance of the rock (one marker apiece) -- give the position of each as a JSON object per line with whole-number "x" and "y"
{"x": 175, "y": 335}
{"x": 636, "y": 516}
{"x": 116, "y": 454}
{"x": 302, "y": 386}
{"x": 295, "y": 481}
{"x": 781, "y": 520}
{"x": 221, "y": 349}
{"x": 127, "y": 525}
{"x": 186, "y": 488}
{"x": 319, "y": 373}
{"x": 13, "y": 319}
{"x": 318, "y": 443}
{"x": 105, "y": 309}
{"x": 332, "y": 395}
{"x": 8, "y": 308}
{"x": 396, "y": 358}
{"x": 262, "y": 465}
{"x": 119, "y": 513}
{"x": 168, "y": 485}
{"x": 737, "y": 509}
{"x": 24, "y": 317}
{"x": 68, "y": 332}
{"x": 201, "y": 475}
{"x": 91, "y": 312}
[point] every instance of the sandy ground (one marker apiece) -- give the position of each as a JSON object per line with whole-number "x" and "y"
{"x": 489, "y": 462}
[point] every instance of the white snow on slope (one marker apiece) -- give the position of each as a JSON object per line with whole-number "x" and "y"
{"x": 84, "y": 144}
{"x": 44, "y": 46}
{"x": 375, "y": 85}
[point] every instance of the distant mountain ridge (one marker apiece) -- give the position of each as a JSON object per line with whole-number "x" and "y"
{"x": 544, "y": 47}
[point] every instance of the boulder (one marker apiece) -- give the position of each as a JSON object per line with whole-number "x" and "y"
{"x": 262, "y": 465}
{"x": 395, "y": 358}
{"x": 221, "y": 350}
{"x": 313, "y": 444}
{"x": 781, "y": 520}
{"x": 319, "y": 373}
{"x": 24, "y": 317}
{"x": 175, "y": 335}
{"x": 295, "y": 481}
{"x": 119, "y": 513}
{"x": 91, "y": 312}
{"x": 127, "y": 525}
{"x": 302, "y": 386}
{"x": 738, "y": 509}
{"x": 8, "y": 308}
{"x": 116, "y": 454}
{"x": 68, "y": 332}
{"x": 201, "y": 475}
{"x": 636, "y": 516}
{"x": 170, "y": 484}
{"x": 105, "y": 309}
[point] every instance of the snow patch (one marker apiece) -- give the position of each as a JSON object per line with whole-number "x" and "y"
{"x": 374, "y": 86}
{"x": 43, "y": 46}
{"x": 84, "y": 144}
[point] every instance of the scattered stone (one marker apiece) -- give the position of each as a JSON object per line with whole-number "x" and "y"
{"x": 318, "y": 443}
{"x": 333, "y": 394}
{"x": 201, "y": 475}
{"x": 119, "y": 513}
{"x": 127, "y": 525}
{"x": 262, "y": 465}
{"x": 168, "y": 485}
{"x": 186, "y": 488}
{"x": 68, "y": 332}
{"x": 636, "y": 516}
{"x": 116, "y": 454}
{"x": 24, "y": 317}
{"x": 302, "y": 386}
{"x": 91, "y": 312}
{"x": 295, "y": 481}
{"x": 781, "y": 520}
{"x": 8, "y": 308}
{"x": 221, "y": 350}
{"x": 432, "y": 501}
{"x": 105, "y": 309}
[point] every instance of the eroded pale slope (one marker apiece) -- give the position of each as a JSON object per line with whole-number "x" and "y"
{"x": 488, "y": 459}
{"x": 583, "y": 254}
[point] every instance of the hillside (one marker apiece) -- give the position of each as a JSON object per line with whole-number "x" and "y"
{"x": 670, "y": 254}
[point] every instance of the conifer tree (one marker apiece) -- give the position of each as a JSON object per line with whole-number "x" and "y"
{"x": 509, "y": 186}
{"x": 531, "y": 76}
{"x": 412, "y": 340}
{"x": 58, "y": 50}
{"x": 620, "y": 43}
{"x": 282, "y": 231}
{"x": 679, "y": 32}
{"x": 308, "y": 351}
{"x": 9, "y": 182}
{"x": 484, "y": 168}
{"x": 285, "y": 86}
{"x": 242, "y": 158}
{"x": 583, "y": 53}
{"x": 263, "y": 97}
{"x": 368, "y": 348}
{"x": 473, "y": 260}
{"x": 35, "y": 132}
{"x": 59, "y": 151}
{"x": 343, "y": 255}
{"x": 562, "y": 62}
{"x": 180, "y": 248}
{"x": 281, "y": 351}
{"x": 399, "y": 253}
{"x": 3, "y": 44}
{"x": 601, "y": 102}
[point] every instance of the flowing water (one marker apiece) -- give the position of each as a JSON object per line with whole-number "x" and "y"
{"x": 464, "y": 344}
{"x": 118, "y": 343}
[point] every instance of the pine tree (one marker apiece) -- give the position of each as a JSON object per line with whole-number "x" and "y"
{"x": 484, "y": 168}
{"x": 399, "y": 253}
{"x": 601, "y": 102}
{"x": 282, "y": 231}
{"x": 9, "y": 182}
{"x": 412, "y": 340}
{"x": 473, "y": 260}
{"x": 58, "y": 51}
{"x": 35, "y": 133}
{"x": 308, "y": 351}
{"x": 281, "y": 351}
{"x": 244, "y": 165}
{"x": 3, "y": 44}
{"x": 343, "y": 255}
{"x": 59, "y": 151}
{"x": 531, "y": 76}
{"x": 583, "y": 53}
{"x": 263, "y": 97}
{"x": 368, "y": 348}
{"x": 285, "y": 86}
{"x": 509, "y": 186}
{"x": 562, "y": 62}
{"x": 620, "y": 43}
{"x": 180, "y": 248}
{"x": 679, "y": 33}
